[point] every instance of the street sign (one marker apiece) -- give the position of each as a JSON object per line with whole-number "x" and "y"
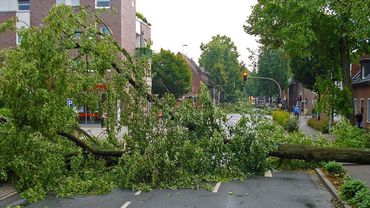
{"x": 70, "y": 102}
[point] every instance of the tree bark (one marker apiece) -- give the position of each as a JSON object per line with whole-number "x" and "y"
{"x": 347, "y": 82}
{"x": 87, "y": 149}
{"x": 313, "y": 153}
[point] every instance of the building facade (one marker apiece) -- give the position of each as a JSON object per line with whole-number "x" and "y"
{"x": 120, "y": 17}
{"x": 297, "y": 94}
{"x": 361, "y": 89}
{"x": 199, "y": 75}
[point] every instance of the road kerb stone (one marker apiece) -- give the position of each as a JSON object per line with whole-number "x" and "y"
{"x": 330, "y": 186}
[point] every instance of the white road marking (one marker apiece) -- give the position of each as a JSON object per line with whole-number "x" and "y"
{"x": 126, "y": 204}
{"x": 215, "y": 189}
{"x": 268, "y": 174}
{"x": 137, "y": 193}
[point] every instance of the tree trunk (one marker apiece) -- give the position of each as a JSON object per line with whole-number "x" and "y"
{"x": 347, "y": 82}
{"x": 313, "y": 153}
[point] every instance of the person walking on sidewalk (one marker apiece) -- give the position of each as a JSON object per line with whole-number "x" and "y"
{"x": 296, "y": 111}
{"x": 359, "y": 118}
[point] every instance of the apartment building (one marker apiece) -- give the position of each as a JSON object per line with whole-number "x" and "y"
{"x": 128, "y": 31}
{"x": 119, "y": 17}
{"x": 361, "y": 89}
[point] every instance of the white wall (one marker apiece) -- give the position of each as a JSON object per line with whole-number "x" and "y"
{"x": 24, "y": 19}
{"x": 8, "y": 5}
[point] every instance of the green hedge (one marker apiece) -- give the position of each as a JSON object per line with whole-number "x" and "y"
{"x": 350, "y": 136}
{"x": 321, "y": 125}
{"x": 356, "y": 193}
{"x": 284, "y": 119}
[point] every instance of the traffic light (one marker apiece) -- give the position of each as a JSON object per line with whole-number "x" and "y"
{"x": 245, "y": 76}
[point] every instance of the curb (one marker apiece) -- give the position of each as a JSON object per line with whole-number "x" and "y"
{"x": 331, "y": 188}
{"x": 10, "y": 194}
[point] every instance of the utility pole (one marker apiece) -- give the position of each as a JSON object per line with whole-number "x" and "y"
{"x": 268, "y": 78}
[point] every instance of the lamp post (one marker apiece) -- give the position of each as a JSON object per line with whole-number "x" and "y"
{"x": 268, "y": 78}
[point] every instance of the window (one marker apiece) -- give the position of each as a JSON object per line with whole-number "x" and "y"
{"x": 102, "y": 3}
{"x": 104, "y": 30}
{"x": 368, "y": 111}
{"x": 355, "y": 105}
{"x": 69, "y": 2}
{"x": 23, "y": 5}
{"x": 18, "y": 39}
{"x": 365, "y": 69}
{"x": 362, "y": 104}
{"x": 75, "y": 2}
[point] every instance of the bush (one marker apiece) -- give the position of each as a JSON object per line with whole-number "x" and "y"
{"x": 321, "y": 125}
{"x": 362, "y": 198}
{"x": 350, "y": 136}
{"x": 284, "y": 119}
{"x": 350, "y": 188}
{"x": 335, "y": 168}
{"x": 5, "y": 112}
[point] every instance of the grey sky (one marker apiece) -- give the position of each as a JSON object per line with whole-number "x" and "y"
{"x": 191, "y": 22}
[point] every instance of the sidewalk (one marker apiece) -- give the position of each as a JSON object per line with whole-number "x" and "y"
{"x": 8, "y": 194}
{"x": 361, "y": 172}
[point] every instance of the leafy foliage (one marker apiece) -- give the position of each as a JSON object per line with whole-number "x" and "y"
{"x": 321, "y": 125}
{"x": 171, "y": 74}
{"x": 220, "y": 59}
{"x": 332, "y": 98}
{"x": 331, "y": 32}
{"x": 350, "y": 189}
{"x": 285, "y": 119}
{"x": 272, "y": 64}
{"x": 143, "y": 18}
{"x": 362, "y": 198}
{"x": 335, "y": 168}
{"x": 350, "y": 136}
{"x": 187, "y": 147}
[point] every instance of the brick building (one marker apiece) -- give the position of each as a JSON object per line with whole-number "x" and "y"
{"x": 297, "y": 94}
{"x": 127, "y": 30}
{"x": 199, "y": 76}
{"x": 361, "y": 89}
{"x": 119, "y": 16}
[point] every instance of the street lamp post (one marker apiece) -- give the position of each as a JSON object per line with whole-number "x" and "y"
{"x": 268, "y": 78}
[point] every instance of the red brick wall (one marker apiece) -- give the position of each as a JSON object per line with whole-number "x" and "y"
{"x": 355, "y": 68}
{"x": 128, "y": 25}
{"x": 39, "y": 9}
{"x": 196, "y": 80}
{"x": 7, "y": 39}
{"x": 110, "y": 17}
{"x": 122, "y": 23}
{"x": 146, "y": 31}
{"x": 358, "y": 93}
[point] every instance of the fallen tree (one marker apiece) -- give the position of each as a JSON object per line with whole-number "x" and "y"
{"x": 314, "y": 153}
{"x": 284, "y": 151}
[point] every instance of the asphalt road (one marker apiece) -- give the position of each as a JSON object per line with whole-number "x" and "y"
{"x": 283, "y": 189}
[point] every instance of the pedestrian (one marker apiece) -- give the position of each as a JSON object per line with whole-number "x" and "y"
{"x": 359, "y": 118}
{"x": 296, "y": 111}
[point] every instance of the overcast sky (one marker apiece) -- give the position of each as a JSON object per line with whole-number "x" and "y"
{"x": 190, "y": 22}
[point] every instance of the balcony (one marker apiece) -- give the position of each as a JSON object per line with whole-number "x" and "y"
{"x": 144, "y": 51}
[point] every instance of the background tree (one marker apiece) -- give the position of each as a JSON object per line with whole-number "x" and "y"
{"x": 337, "y": 30}
{"x": 272, "y": 64}
{"x": 220, "y": 58}
{"x": 171, "y": 74}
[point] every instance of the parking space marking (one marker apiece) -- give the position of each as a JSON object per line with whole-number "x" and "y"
{"x": 215, "y": 189}
{"x": 268, "y": 174}
{"x": 137, "y": 193}
{"x": 125, "y": 205}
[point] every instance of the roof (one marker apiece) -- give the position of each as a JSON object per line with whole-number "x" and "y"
{"x": 357, "y": 80}
{"x": 197, "y": 69}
